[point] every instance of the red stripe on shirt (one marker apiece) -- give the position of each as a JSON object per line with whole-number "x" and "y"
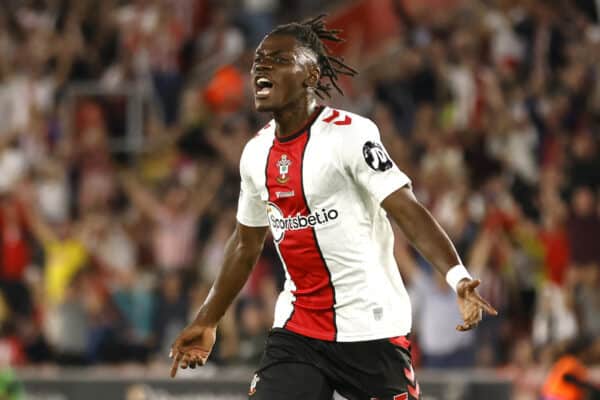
{"x": 313, "y": 314}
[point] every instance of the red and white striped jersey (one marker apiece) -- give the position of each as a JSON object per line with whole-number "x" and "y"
{"x": 320, "y": 191}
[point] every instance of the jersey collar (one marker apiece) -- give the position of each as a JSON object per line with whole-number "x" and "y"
{"x": 311, "y": 120}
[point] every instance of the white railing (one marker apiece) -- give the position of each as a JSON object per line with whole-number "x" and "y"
{"x": 140, "y": 99}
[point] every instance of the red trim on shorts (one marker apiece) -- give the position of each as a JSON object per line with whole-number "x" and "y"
{"x": 401, "y": 341}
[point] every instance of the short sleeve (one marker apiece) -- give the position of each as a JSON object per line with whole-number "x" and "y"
{"x": 251, "y": 209}
{"x": 370, "y": 165}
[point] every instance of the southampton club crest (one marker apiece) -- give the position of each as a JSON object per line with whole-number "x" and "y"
{"x": 284, "y": 166}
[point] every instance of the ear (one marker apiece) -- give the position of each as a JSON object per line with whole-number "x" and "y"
{"x": 314, "y": 74}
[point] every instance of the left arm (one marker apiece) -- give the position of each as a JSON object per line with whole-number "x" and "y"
{"x": 428, "y": 237}
{"x": 421, "y": 229}
{"x": 365, "y": 159}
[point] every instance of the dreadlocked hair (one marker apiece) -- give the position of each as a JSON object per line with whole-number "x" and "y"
{"x": 312, "y": 33}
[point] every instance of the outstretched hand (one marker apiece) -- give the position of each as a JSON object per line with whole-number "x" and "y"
{"x": 471, "y": 304}
{"x": 192, "y": 347}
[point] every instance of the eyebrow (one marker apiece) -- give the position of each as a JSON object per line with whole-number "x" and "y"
{"x": 276, "y": 52}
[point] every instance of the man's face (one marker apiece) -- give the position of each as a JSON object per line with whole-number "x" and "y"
{"x": 282, "y": 72}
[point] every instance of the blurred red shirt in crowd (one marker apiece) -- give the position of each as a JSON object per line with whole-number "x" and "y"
{"x": 14, "y": 248}
{"x": 556, "y": 254}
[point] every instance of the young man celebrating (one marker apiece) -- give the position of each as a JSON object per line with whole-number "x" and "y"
{"x": 322, "y": 181}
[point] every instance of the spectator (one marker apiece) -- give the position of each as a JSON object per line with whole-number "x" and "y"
{"x": 252, "y": 331}
{"x": 68, "y": 327}
{"x": 554, "y": 320}
{"x": 175, "y": 220}
{"x": 135, "y": 301}
{"x": 222, "y": 43}
{"x": 436, "y": 316}
{"x": 583, "y": 227}
{"x": 16, "y": 256}
{"x": 172, "y": 309}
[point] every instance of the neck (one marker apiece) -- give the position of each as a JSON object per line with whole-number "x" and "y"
{"x": 293, "y": 118}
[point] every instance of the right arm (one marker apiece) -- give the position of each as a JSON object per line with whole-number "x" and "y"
{"x": 241, "y": 253}
{"x": 39, "y": 228}
{"x": 194, "y": 344}
{"x": 140, "y": 196}
{"x": 42, "y": 232}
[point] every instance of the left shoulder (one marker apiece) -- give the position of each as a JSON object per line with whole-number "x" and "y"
{"x": 347, "y": 124}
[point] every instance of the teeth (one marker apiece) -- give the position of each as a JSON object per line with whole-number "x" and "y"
{"x": 262, "y": 81}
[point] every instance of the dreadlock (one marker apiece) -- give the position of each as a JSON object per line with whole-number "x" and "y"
{"x": 312, "y": 33}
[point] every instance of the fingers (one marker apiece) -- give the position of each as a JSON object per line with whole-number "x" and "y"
{"x": 473, "y": 296}
{"x": 471, "y": 320}
{"x": 175, "y": 364}
{"x": 467, "y": 326}
{"x": 186, "y": 360}
{"x": 484, "y": 305}
{"x": 192, "y": 360}
{"x": 473, "y": 306}
{"x": 197, "y": 361}
{"x": 201, "y": 358}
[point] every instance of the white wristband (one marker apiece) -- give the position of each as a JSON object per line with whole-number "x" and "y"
{"x": 457, "y": 274}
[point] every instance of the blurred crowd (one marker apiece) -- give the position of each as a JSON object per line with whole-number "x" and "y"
{"x": 491, "y": 106}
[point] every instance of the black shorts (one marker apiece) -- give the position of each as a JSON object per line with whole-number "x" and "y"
{"x": 294, "y": 367}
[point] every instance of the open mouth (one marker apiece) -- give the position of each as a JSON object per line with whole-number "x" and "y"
{"x": 263, "y": 86}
